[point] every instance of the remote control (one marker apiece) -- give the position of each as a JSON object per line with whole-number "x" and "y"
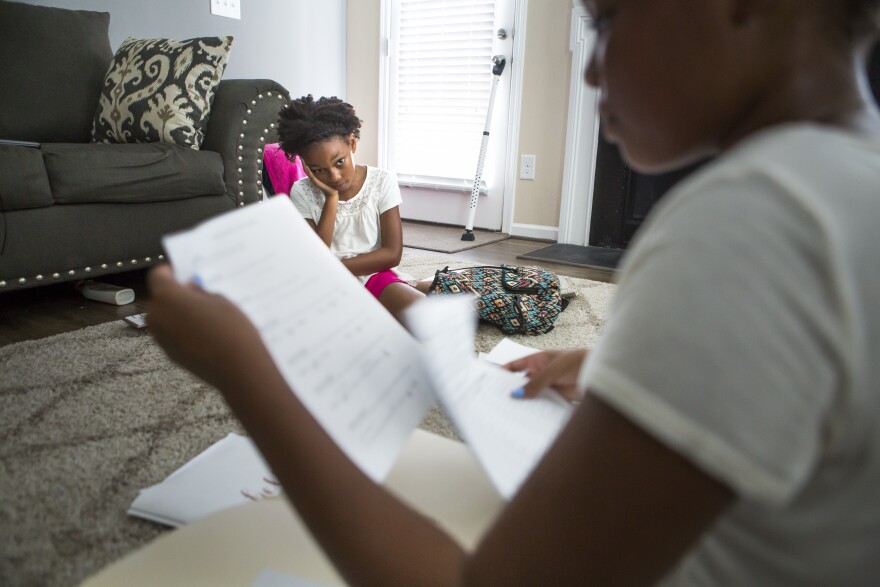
{"x": 136, "y": 321}
{"x": 104, "y": 292}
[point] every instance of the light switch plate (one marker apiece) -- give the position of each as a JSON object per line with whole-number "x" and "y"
{"x": 228, "y": 8}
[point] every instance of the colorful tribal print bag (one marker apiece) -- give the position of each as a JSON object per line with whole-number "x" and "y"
{"x": 519, "y": 300}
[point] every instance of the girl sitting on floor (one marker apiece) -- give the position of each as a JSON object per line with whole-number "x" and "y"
{"x": 353, "y": 208}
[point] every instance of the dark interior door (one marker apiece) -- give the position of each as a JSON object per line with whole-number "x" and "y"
{"x": 622, "y": 198}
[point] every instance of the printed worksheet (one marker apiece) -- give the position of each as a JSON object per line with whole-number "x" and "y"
{"x": 351, "y": 364}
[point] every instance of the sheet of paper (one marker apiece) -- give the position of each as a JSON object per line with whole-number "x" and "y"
{"x": 228, "y": 473}
{"x": 507, "y": 351}
{"x": 351, "y": 364}
{"x": 508, "y": 436}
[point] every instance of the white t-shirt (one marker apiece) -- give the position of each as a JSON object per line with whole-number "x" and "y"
{"x": 357, "y": 229}
{"x": 745, "y": 334}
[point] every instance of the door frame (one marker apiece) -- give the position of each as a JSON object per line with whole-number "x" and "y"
{"x": 582, "y": 137}
{"x": 514, "y": 68}
{"x": 514, "y": 117}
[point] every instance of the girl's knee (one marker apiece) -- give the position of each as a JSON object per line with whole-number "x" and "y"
{"x": 398, "y": 296}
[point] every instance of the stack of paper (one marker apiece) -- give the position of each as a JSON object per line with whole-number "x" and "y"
{"x": 231, "y": 471}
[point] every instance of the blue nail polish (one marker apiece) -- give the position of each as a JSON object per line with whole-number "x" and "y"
{"x": 518, "y": 393}
{"x": 198, "y": 281}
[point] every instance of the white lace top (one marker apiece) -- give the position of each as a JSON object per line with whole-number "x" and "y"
{"x": 357, "y": 230}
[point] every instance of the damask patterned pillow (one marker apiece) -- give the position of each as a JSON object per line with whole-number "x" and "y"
{"x": 160, "y": 90}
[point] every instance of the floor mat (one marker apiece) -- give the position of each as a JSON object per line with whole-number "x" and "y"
{"x": 597, "y": 257}
{"x": 445, "y": 239}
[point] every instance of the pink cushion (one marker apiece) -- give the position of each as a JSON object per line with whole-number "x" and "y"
{"x": 282, "y": 172}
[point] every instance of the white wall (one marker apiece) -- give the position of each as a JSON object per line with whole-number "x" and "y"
{"x": 544, "y": 118}
{"x": 300, "y": 44}
{"x": 362, "y": 82}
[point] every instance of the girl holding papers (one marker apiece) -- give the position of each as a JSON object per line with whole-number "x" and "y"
{"x": 729, "y": 427}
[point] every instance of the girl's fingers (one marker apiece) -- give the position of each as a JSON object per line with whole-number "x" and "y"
{"x": 560, "y": 373}
{"x": 529, "y": 363}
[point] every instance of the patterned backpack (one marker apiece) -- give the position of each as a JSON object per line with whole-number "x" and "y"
{"x": 519, "y": 300}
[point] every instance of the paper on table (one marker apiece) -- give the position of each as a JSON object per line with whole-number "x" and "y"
{"x": 229, "y": 472}
{"x": 508, "y": 436}
{"x": 350, "y": 363}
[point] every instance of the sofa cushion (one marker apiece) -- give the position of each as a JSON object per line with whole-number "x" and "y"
{"x": 53, "y": 66}
{"x": 160, "y": 90}
{"x": 23, "y": 180}
{"x": 104, "y": 237}
{"x": 150, "y": 172}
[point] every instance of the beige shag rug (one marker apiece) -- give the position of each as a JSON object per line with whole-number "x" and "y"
{"x": 87, "y": 418}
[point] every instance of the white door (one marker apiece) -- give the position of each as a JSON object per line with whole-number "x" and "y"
{"x": 438, "y": 79}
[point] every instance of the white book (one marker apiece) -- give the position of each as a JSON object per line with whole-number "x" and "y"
{"x": 361, "y": 375}
{"x": 228, "y": 473}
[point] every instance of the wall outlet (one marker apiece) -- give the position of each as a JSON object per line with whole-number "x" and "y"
{"x": 227, "y": 8}
{"x": 527, "y": 167}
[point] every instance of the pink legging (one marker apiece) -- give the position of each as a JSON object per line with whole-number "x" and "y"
{"x": 379, "y": 281}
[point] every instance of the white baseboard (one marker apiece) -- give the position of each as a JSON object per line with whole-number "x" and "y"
{"x": 535, "y": 231}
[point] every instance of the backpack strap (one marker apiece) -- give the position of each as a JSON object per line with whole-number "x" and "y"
{"x": 505, "y": 270}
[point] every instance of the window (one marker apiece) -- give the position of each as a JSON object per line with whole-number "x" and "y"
{"x": 438, "y": 69}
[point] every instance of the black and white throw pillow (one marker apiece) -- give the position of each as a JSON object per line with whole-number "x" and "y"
{"x": 160, "y": 90}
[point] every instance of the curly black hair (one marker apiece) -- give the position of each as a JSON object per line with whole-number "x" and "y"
{"x": 305, "y": 121}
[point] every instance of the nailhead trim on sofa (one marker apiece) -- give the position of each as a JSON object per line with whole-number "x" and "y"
{"x": 87, "y": 272}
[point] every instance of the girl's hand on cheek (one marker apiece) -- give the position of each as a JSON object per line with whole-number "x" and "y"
{"x": 325, "y": 189}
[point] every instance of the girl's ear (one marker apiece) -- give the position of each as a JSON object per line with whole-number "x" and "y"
{"x": 352, "y": 142}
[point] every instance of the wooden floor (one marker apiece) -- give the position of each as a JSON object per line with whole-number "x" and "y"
{"x": 53, "y": 309}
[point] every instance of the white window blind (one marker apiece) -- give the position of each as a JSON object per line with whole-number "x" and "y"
{"x": 441, "y": 63}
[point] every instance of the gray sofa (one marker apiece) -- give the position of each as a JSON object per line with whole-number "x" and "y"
{"x": 71, "y": 209}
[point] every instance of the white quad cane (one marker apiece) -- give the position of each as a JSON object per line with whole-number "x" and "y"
{"x": 498, "y": 63}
